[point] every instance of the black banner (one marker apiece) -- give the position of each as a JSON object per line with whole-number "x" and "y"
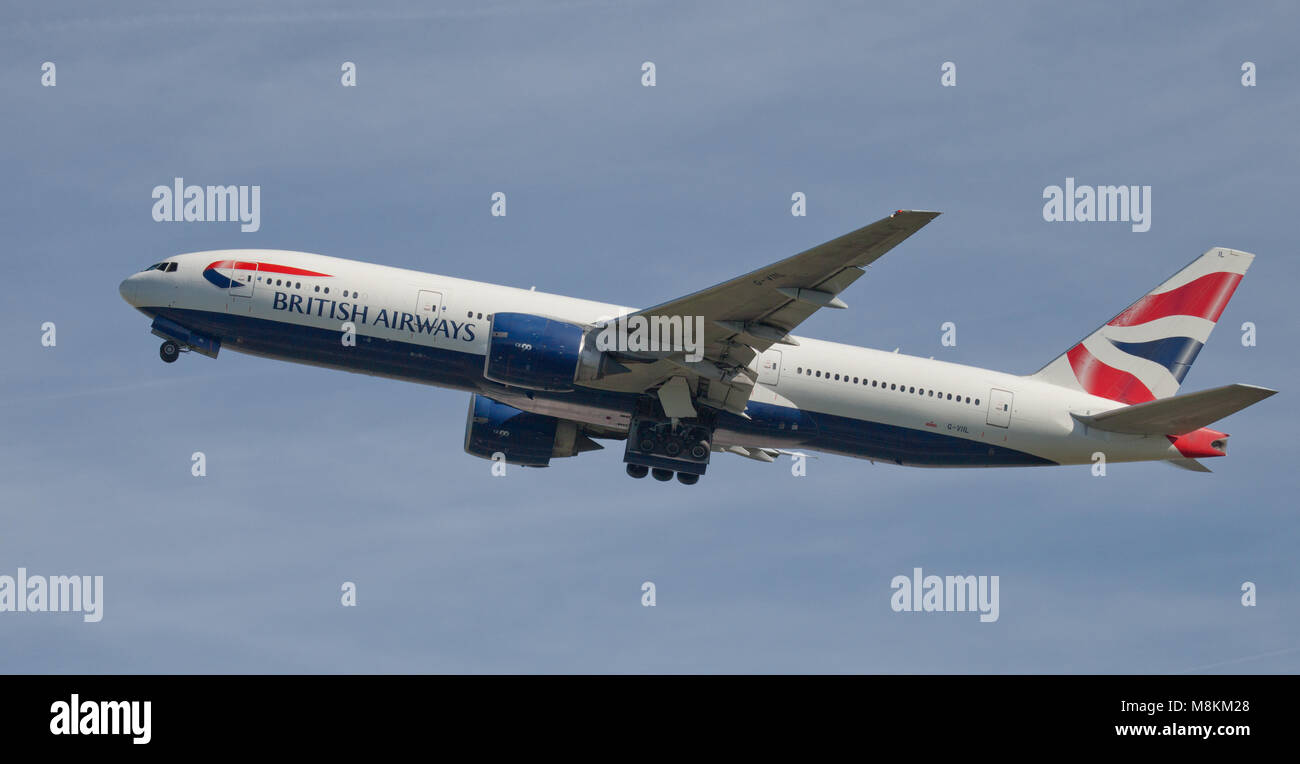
{"x": 209, "y": 713}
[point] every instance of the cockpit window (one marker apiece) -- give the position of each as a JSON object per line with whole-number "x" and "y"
{"x": 169, "y": 267}
{"x": 164, "y": 267}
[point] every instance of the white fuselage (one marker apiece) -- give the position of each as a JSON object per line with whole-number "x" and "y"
{"x": 860, "y": 402}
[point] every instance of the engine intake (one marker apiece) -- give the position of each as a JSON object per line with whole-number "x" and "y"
{"x": 533, "y": 352}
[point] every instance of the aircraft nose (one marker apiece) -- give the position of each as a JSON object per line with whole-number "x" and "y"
{"x": 129, "y": 289}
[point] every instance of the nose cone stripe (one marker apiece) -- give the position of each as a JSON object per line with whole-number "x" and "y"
{"x": 220, "y": 281}
{"x": 212, "y": 274}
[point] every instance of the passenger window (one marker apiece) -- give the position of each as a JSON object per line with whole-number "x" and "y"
{"x": 855, "y": 380}
{"x": 818, "y": 374}
{"x": 977, "y": 401}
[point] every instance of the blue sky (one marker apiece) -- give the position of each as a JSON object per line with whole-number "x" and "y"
{"x": 634, "y": 195}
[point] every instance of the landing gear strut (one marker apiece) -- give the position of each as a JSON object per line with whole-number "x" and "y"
{"x": 169, "y": 352}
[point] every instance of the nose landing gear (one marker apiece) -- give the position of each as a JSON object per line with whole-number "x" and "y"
{"x": 169, "y": 351}
{"x": 179, "y": 339}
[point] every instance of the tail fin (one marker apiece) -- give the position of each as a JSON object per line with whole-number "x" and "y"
{"x": 1143, "y": 353}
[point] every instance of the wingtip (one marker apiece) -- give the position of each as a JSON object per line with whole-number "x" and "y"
{"x": 931, "y": 214}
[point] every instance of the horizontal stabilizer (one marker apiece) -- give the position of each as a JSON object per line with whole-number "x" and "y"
{"x": 1180, "y": 414}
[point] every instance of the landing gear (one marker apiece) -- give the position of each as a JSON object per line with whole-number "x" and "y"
{"x": 169, "y": 352}
{"x": 665, "y": 447}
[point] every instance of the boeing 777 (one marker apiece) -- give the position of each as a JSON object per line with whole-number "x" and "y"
{"x": 546, "y": 381}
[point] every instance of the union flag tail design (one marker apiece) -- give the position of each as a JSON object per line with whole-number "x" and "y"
{"x": 1143, "y": 353}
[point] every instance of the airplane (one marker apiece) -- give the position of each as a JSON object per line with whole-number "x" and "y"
{"x": 545, "y": 381}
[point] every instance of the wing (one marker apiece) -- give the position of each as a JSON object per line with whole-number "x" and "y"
{"x": 745, "y": 316}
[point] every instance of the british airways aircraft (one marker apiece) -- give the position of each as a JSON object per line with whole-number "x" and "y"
{"x": 543, "y": 385}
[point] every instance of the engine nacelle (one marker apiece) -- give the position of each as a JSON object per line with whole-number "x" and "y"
{"x": 526, "y": 439}
{"x": 533, "y": 352}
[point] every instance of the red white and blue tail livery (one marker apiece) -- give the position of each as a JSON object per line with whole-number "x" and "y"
{"x": 1144, "y": 352}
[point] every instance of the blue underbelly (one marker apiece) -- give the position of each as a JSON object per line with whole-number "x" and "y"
{"x": 413, "y": 362}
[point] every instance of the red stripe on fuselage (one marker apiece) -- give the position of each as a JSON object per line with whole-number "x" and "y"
{"x": 241, "y": 265}
{"x": 1106, "y": 381}
{"x": 1205, "y": 297}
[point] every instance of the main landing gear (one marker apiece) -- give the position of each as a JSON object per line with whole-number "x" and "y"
{"x": 661, "y": 474}
{"x": 663, "y": 447}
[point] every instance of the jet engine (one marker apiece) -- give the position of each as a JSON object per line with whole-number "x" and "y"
{"x": 540, "y": 353}
{"x": 530, "y": 440}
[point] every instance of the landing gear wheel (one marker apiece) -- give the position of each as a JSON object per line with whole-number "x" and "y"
{"x": 638, "y": 470}
{"x": 169, "y": 352}
{"x": 661, "y": 474}
{"x": 686, "y": 478}
{"x": 673, "y": 448}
